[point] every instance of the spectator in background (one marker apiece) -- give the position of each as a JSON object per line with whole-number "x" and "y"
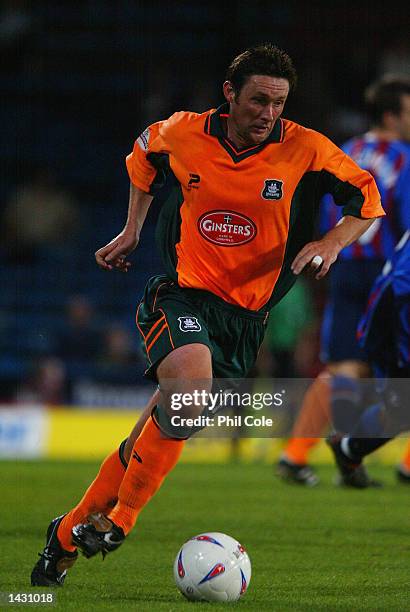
{"x": 80, "y": 340}
{"x": 47, "y": 383}
{"x": 118, "y": 349}
{"x": 38, "y": 214}
{"x": 119, "y": 361}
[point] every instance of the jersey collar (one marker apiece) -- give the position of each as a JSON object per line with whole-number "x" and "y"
{"x": 213, "y": 127}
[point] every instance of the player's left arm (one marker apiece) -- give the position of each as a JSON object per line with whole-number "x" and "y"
{"x": 355, "y": 191}
{"x": 328, "y": 248}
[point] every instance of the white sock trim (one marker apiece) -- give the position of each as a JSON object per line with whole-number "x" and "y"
{"x": 344, "y": 445}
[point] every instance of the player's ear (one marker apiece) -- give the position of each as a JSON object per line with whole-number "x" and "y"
{"x": 229, "y": 92}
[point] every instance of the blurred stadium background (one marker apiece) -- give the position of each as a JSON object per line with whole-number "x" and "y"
{"x": 80, "y": 81}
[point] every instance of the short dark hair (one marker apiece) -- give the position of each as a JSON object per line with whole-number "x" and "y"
{"x": 384, "y": 96}
{"x": 266, "y": 59}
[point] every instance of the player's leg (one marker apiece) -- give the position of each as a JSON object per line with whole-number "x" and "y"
{"x": 312, "y": 421}
{"x": 350, "y": 450}
{"x": 139, "y": 425}
{"x": 387, "y": 337}
{"x": 377, "y": 426}
{"x": 181, "y": 361}
{"x": 349, "y": 391}
{"x": 102, "y": 494}
{"x": 334, "y": 396}
{"x": 59, "y": 553}
{"x": 186, "y": 369}
{"x": 177, "y": 348}
{"x": 403, "y": 469}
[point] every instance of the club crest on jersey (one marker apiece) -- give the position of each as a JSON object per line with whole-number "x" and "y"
{"x": 189, "y": 324}
{"x": 143, "y": 140}
{"x": 226, "y": 228}
{"x": 273, "y": 189}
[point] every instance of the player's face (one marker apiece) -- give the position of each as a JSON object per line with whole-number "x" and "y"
{"x": 403, "y": 119}
{"x": 254, "y": 111}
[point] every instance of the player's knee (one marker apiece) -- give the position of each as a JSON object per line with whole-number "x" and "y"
{"x": 177, "y": 425}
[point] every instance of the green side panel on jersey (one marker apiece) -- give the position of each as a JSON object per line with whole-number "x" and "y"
{"x": 304, "y": 212}
{"x": 168, "y": 230}
{"x": 344, "y": 194}
{"x": 302, "y": 222}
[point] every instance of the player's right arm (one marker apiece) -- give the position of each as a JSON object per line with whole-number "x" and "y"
{"x": 113, "y": 255}
{"x": 145, "y": 182}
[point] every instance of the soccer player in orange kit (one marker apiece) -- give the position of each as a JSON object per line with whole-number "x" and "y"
{"x": 234, "y": 234}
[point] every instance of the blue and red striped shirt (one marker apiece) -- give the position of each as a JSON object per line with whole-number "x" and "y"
{"x": 389, "y": 163}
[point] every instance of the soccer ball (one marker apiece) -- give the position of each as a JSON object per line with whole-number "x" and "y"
{"x": 212, "y": 567}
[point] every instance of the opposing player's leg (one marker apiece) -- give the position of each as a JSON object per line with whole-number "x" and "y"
{"x": 347, "y": 403}
{"x": 336, "y": 399}
{"x": 154, "y": 453}
{"x": 388, "y": 420}
{"x": 403, "y": 469}
{"x": 59, "y": 553}
{"x": 312, "y": 421}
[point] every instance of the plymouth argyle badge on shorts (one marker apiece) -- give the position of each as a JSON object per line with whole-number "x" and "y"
{"x": 189, "y": 324}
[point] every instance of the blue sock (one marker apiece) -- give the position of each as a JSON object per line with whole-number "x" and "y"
{"x": 366, "y": 436}
{"x": 346, "y": 395}
{"x": 370, "y": 423}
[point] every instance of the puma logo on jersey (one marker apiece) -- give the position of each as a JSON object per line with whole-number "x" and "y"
{"x": 194, "y": 180}
{"x": 143, "y": 140}
{"x": 273, "y": 189}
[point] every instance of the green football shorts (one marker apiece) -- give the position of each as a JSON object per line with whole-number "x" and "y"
{"x": 170, "y": 316}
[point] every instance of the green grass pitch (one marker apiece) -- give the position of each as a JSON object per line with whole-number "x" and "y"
{"x": 311, "y": 549}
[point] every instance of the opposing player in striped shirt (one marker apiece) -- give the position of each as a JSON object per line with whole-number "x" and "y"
{"x": 385, "y": 152}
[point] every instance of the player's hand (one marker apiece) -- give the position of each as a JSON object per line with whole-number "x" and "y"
{"x": 319, "y": 255}
{"x": 113, "y": 255}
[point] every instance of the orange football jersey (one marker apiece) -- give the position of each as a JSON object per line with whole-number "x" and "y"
{"x": 235, "y": 219}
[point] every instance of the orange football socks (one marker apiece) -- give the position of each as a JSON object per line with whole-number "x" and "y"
{"x": 101, "y": 496}
{"x": 313, "y": 418}
{"x": 152, "y": 458}
{"x": 405, "y": 462}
